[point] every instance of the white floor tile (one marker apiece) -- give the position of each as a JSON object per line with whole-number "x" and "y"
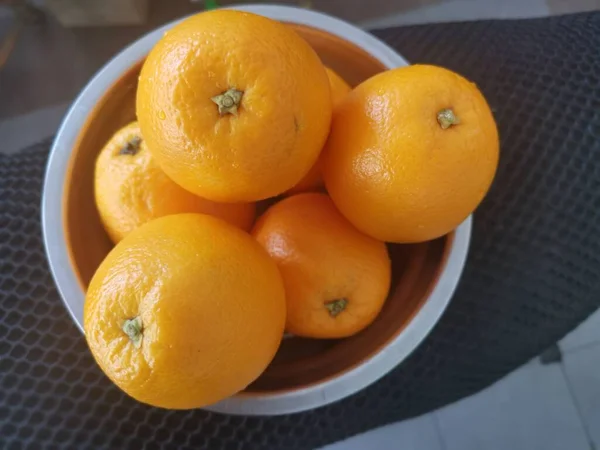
{"x": 21, "y": 131}
{"x": 415, "y": 434}
{"x": 531, "y": 409}
{"x": 585, "y": 334}
{"x": 460, "y": 10}
{"x": 582, "y": 368}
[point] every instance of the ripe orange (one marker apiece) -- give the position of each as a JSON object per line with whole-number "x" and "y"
{"x": 130, "y": 189}
{"x": 234, "y": 106}
{"x": 185, "y": 311}
{"x": 336, "y": 278}
{"x": 339, "y": 87}
{"x": 411, "y": 153}
{"x": 313, "y": 180}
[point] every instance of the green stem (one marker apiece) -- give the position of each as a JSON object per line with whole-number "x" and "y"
{"x": 134, "y": 330}
{"x": 446, "y": 118}
{"x": 335, "y": 307}
{"x": 229, "y": 101}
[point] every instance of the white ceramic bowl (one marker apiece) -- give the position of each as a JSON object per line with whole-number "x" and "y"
{"x": 344, "y": 381}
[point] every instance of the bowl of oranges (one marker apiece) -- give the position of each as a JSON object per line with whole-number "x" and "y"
{"x": 262, "y": 210}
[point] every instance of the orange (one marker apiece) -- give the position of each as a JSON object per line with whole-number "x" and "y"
{"x": 313, "y": 180}
{"x": 336, "y": 278}
{"x": 339, "y": 87}
{"x": 411, "y": 153}
{"x": 131, "y": 189}
{"x": 234, "y": 106}
{"x": 185, "y": 311}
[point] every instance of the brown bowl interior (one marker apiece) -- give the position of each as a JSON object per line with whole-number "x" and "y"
{"x": 299, "y": 362}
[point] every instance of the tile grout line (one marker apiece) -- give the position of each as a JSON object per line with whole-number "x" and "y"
{"x": 438, "y": 430}
{"x": 580, "y": 347}
{"x": 588, "y": 435}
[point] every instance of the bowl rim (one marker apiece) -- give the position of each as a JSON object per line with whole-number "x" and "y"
{"x": 289, "y": 401}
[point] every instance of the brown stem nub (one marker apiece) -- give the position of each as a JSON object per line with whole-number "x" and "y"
{"x": 229, "y": 101}
{"x": 132, "y": 146}
{"x": 134, "y": 330}
{"x": 446, "y": 118}
{"x": 335, "y": 307}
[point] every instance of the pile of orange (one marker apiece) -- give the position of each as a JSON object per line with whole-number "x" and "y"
{"x": 233, "y": 109}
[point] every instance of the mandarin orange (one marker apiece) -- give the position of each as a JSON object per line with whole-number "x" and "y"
{"x": 130, "y": 189}
{"x": 234, "y": 106}
{"x": 313, "y": 181}
{"x": 185, "y": 311}
{"x": 411, "y": 153}
{"x": 336, "y": 278}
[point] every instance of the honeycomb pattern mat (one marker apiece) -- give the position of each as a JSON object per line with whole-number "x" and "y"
{"x": 532, "y": 275}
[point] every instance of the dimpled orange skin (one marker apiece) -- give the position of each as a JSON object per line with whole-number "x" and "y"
{"x": 313, "y": 181}
{"x": 323, "y": 258}
{"x": 281, "y": 123}
{"x": 130, "y": 190}
{"x": 211, "y": 303}
{"x": 391, "y": 168}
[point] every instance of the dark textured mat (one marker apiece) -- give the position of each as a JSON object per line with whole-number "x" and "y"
{"x": 533, "y": 272}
